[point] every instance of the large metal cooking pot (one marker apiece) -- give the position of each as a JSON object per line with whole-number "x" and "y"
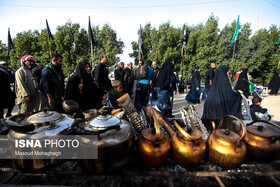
{"x": 114, "y": 142}
{"x": 37, "y": 126}
{"x": 262, "y": 141}
{"x": 153, "y": 146}
{"x": 226, "y": 148}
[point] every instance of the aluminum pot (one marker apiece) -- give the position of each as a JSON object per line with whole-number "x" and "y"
{"x": 226, "y": 148}
{"x": 262, "y": 142}
{"x": 115, "y": 142}
{"x": 37, "y": 126}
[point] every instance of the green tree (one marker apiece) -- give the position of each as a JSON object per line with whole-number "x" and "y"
{"x": 264, "y": 54}
{"x": 148, "y": 34}
{"x": 25, "y": 43}
{"x": 159, "y": 45}
{"x": 3, "y": 52}
{"x": 108, "y": 43}
{"x": 190, "y": 50}
{"x": 207, "y": 45}
{"x": 65, "y": 41}
{"x": 242, "y": 54}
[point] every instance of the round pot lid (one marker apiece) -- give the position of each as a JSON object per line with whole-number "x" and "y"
{"x": 150, "y": 134}
{"x": 70, "y": 105}
{"x": 43, "y": 117}
{"x": 194, "y": 132}
{"x": 228, "y": 135}
{"x": 103, "y": 121}
{"x": 260, "y": 130}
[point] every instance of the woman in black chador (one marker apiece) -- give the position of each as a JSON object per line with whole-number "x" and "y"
{"x": 242, "y": 84}
{"x": 7, "y": 95}
{"x": 274, "y": 82}
{"x": 81, "y": 88}
{"x": 165, "y": 84}
{"x": 221, "y": 99}
{"x": 181, "y": 84}
{"x": 194, "y": 94}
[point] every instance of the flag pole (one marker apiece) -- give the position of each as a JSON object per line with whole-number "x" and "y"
{"x": 182, "y": 53}
{"x": 49, "y": 44}
{"x": 49, "y": 37}
{"x": 91, "y": 51}
{"x": 233, "y": 50}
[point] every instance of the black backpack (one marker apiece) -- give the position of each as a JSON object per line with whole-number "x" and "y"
{"x": 142, "y": 72}
{"x": 37, "y": 73}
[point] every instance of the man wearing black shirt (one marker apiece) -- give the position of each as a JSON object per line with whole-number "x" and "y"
{"x": 120, "y": 72}
{"x": 102, "y": 80}
{"x": 208, "y": 81}
{"x": 128, "y": 86}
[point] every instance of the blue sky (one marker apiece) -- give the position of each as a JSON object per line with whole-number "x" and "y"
{"x": 125, "y": 16}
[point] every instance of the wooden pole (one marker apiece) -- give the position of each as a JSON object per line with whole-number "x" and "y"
{"x": 49, "y": 44}
{"x": 91, "y": 54}
{"x": 181, "y": 68}
{"x": 233, "y": 50}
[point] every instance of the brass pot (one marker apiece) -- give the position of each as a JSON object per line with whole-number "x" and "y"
{"x": 261, "y": 141}
{"x": 187, "y": 145}
{"x": 226, "y": 148}
{"x": 153, "y": 146}
{"x": 188, "y": 148}
{"x": 90, "y": 113}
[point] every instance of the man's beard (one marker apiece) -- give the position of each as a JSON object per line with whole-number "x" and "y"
{"x": 32, "y": 66}
{"x": 59, "y": 66}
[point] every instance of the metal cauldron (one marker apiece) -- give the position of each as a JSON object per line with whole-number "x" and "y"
{"x": 262, "y": 142}
{"x": 226, "y": 148}
{"x": 153, "y": 146}
{"x": 37, "y": 126}
{"x": 114, "y": 142}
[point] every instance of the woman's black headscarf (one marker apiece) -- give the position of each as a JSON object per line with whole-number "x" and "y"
{"x": 242, "y": 84}
{"x": 221, "y": 99}
{"x": 196, "y": 74}
{"x": 90, "y": 96}
{"x": 82, "y": 73}
{"x": 194, "y": 94}
{"x": 165, "y": 75}
{"x": 72, "y": 92}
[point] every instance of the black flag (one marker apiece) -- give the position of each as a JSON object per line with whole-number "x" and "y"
{"x": 10, "y": 43}
{"x": 49, "y": 31}
{"x": 186, "y": 36}
{"x": 141, "y": 55}
{"x": 90, "y": 34}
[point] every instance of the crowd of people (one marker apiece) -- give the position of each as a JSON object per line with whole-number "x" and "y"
{"x": 38, "y": 86}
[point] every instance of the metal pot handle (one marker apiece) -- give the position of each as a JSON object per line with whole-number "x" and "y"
{"x": 270, "y": 123}
{"x": 213, "y": 125}
{"x": 182, "y": 131}
{"x": 17, "y": 126}
{"x": 156, "y": 125}
{"x": 244, "y": 130}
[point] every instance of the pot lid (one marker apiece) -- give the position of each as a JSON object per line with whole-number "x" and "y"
{"x": 103, "y": 121}
{"x": 70, "y": 106}
{"x": 150, "y": 134}
{"x": 228, "y": 135}
{"x": 43, "y": 117}
{"x": 194, "y": 132}
{"x": 260, "y": 130}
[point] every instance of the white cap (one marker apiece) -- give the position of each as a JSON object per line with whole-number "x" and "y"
{"x": 2, "y": 62}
